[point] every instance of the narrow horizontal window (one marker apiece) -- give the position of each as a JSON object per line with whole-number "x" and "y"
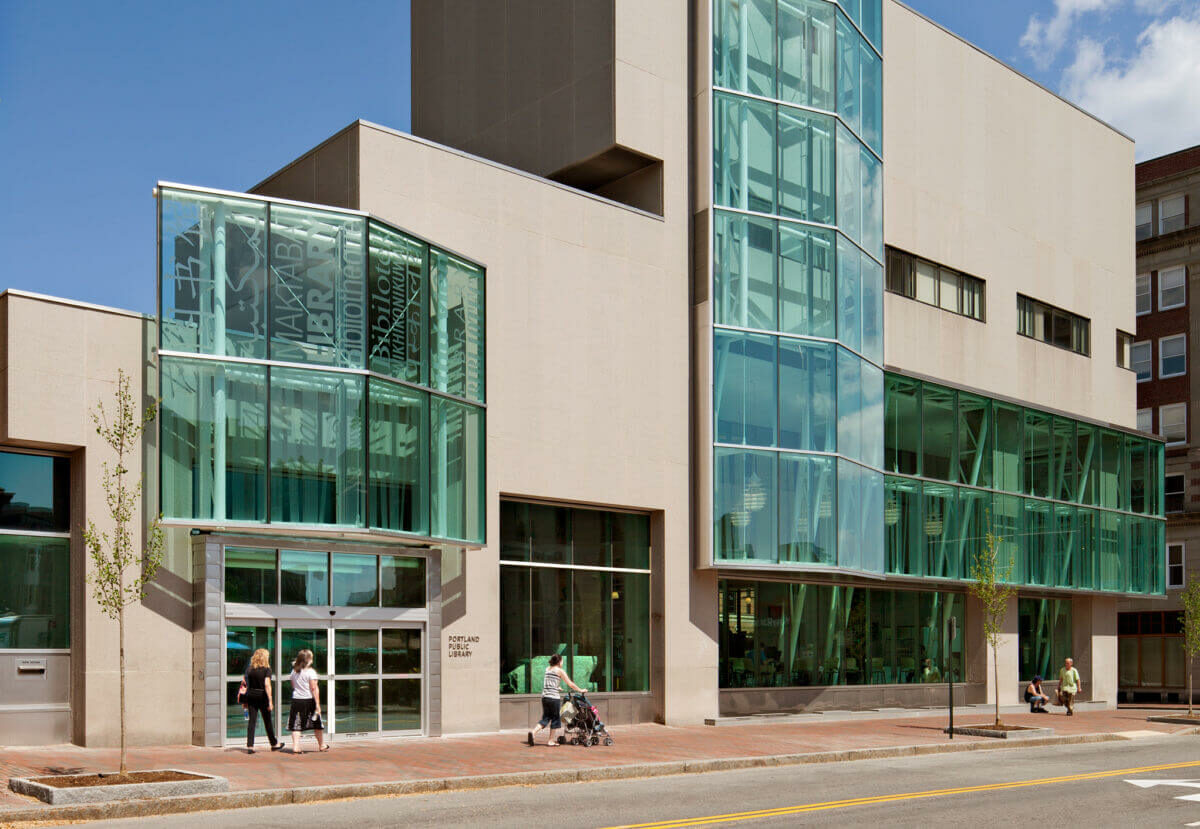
{"x": 933, "y": 284}
{"x": 1039, "y": 321}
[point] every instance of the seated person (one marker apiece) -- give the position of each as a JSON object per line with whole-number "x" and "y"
{"x": 1036, "y": 697}
{"x": 930, "y": 673}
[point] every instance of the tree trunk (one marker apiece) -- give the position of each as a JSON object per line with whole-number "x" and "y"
{"x": 121, "y": 633}
{"x": 996, "y": 673}
{"x": 1189, "y": 688}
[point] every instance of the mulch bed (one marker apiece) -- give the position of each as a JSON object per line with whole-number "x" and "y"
{"x": 77, "y": 781}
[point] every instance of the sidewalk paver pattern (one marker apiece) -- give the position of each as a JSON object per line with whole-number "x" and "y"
{"x": 416, "y": 759}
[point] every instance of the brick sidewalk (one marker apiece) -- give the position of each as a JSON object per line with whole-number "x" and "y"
{"x": 415, "y": 759}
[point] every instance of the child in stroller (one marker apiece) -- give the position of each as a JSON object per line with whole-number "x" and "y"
{"x": 581, "y": 721}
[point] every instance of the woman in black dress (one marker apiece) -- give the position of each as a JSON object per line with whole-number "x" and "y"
{"x": 259, "y": 700}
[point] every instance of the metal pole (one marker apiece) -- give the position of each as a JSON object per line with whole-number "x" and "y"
{"x": 952, "y": 624}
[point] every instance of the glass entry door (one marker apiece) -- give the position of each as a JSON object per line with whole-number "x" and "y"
{"x": 369, "y": 674}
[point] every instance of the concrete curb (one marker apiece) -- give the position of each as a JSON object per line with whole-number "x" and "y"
{"x": 313, "y": 794}
{"x": 199, "y": 784}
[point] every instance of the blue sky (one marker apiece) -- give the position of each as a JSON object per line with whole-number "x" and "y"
{"x": 100, "y": 100}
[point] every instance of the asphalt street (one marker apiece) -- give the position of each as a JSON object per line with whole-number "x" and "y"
{"x": 1080, "y": 785}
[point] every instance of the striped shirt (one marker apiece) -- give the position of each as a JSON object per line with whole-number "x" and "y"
{"x": 550, "y": 684}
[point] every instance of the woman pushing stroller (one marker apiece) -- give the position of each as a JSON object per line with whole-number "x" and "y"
{"x": 552, "y": 700}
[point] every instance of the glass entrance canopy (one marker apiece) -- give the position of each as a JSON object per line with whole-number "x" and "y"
{"x": 317, "y": 367}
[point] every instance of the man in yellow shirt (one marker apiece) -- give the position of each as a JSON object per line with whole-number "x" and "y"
{"x": 1069, "y": 685}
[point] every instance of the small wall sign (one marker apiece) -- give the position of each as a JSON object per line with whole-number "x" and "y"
{"x": 461, "y": 646}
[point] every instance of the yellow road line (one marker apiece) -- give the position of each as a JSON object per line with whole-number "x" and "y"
{"x": 889, "y": 798}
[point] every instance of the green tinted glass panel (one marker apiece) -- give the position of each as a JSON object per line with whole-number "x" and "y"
{"x": 354, "y": 580}
{"x": 241, "y": 641}
{"x": 938, "y": 437}
{"x": 744, "y": 390}
{"x": 401, "y": 581}
{"x": 35, "y": 597}
{"x": 849, "y": 279}
{"x": 743, "y": 45}
{"x": 1065, "y": 544}
{"x": 401, "y": 708}
{"x": 1137, "y": 461}
{"x": 1111, "y": 542}
{"x": 630, "y": 632}
{"x": 974, "y": 513}
{"x": 1112, "y": 483}
{"x": 943, "y": 551}
{"x": 304, "y": 577}
{"x": 744, "y": 271}
{"x": 807, "y": 396}
{"x": 806, "y": 53}
{"x": 356, "y": 651}
{"x": 1008, "y": 521}
{"x": 401, "y": 651}
{"x": 1064, "y": 473}
{"x": 1007, "y": 464}
{"x": 849, "y": 404}
{"x": 849, "y": 514}
{"x": 871, "y": 95}
{"x": 214, "y": 273}
{"x": 457, "y": 460}
{"x": 872, "y": 309}
{"x": 214, "y": 440}
{"x": 515, "y": 634}
{"x": 630, "y": 541}
{"x": 807, "y": 303}
{"x": 590, "y": 662}
{"x": 1039, "y": 543}
{"x": 293, "y": 640}
{"x": 456, "y": 311}
{"x": 849, "y": 184}
{"x": 396, "y": 303}
{"x": 905, "y": 527}
{"x": 1043, "y": 636}
{"x": 398, "y": 459}
{"x": 974, "y": 440}
{"x": 250, "y": 576}
{"x": 872, "y": 415}
{"x": 1038, "y": 453}
{"x": 849, "y": 99}
{"x": 744, "y": 147}
{"x": 550, "y": 530}
{"x": 902, "y": 425}
{"x": 806, "y": 165}
{"x": 590, "y": 543}
{"x": 316, "y": 447}
{"x": 357, "y": 706}
{"x": 318, "y": 287}
{"x": 37, "y": 492}
{"x": 807, "y": 509}
{"x": 1087, "y": 464}
{"x": 744, "y": 505}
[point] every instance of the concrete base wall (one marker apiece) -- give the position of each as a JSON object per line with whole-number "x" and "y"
{"x": 615, "y": 709}
{"x": 741, "y": 701}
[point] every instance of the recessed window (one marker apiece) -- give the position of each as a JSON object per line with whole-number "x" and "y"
{"x": 1175, "y": 568}
{"x": 933, "y": 284}
{"x": 1172, "y": 423}
{"x": 1172, "y": 288}
{"x": 1173, "y": 490}
{"x": 1170, "y": 214}
{"x": 1052, "y": 325}
{"x": 1172, "y": 356}
{"x": 1145, "y": 226}
{"x": 1140, "y": 362}
{"x": 1124, "y": 349}
{"x": 1143, "y": 293}
{"x": 1145, "y": 420}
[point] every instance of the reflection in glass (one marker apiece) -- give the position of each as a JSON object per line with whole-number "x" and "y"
{"x": 807, "y": 509}
{"x": 318, "y": 287}
{"x": 354, "y": 580}
{"x": 304, "y": 577}
{"x": 250, "y": 576}
{"x": 316, "y": 447}
{"x": 591, "y": 593}
{"x": 35, "y": 492}
{"x": 396, "y": 303}
{"x": 744, "y": 506}
{"x": 398, "y": 457}
{"x": 241, "y": 641}
{"x": 355, "y": 651}
{"x": 457, "y": 326}
{"x": 806, "y": 53}
{"x": 214, "y": 296}
{"x": 515, "y": 634}
{"x": 401, "y": 704}
{"x": 743, "y": 34}
{"x": 744, "y": 270}
{"x": 849, "y": 404}
{"x": 745, "y": 153}
{"x": 630, "y": 540}
{"x": 806, "y": 285}
{"x": 631, "y": 632}
{"x": 401, "y": 651}
{"x": 35, "y": 593}
{"x": 214, "y": 440}
{"x": 457, "y": 479}
{"x": 1043, "y": 636}
{"x": 807, "y": 417}
{"x": 744, "y": 388}
{"x": 806, "y": 165}
{"x": 402, "y": 581}
{"x": 356, "y": 706}
{"x": 295, "y": 640}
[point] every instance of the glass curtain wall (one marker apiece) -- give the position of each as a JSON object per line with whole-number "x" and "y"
{"x": 382, "y": 427}
{"x": 1043, "y": 636}
{"x": 795, "y": 635}
{"x": 798, "y": 283}
{"x": 1074, "y": 505}
{"x": 592, "y": 606}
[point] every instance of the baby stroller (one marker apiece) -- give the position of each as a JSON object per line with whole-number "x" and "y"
{"x": 581, "y": 721}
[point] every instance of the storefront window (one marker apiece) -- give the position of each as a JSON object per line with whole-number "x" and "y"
{"x": 594, "y": 616}
{"x": 788, "y": 635}
{"x": 1044, "y": 636}
{"x": 35, "y": 592}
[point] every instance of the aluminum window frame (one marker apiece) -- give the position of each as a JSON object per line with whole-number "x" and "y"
{"x": 1182, "y": 271}
{"x": 1172, "y": 338}
{"x": 1163, "y": 218}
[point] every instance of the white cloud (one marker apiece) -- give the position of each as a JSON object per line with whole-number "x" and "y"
{"x": 1154, "y": 95}
{"x": 1044, "y": 38}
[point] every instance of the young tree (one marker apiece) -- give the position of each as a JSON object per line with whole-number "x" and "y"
{"x": 1191, "y": 628}
{"x": 114, "y": 552}
{"x": 992, "y": 589}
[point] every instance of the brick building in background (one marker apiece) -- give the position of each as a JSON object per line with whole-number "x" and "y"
{"x": 1168, "y": 258}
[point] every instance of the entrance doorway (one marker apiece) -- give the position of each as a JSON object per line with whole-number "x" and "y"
{"x": 370, "y": 674}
